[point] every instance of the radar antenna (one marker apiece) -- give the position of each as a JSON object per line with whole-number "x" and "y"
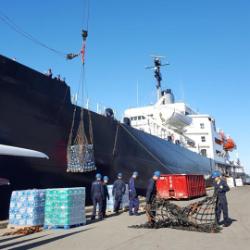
{"x": 157, "y": 72}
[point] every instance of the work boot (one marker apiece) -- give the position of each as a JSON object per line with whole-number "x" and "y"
{"x": 136, "y": 214}
{"x": 220, "y": 223}
{"x": 227, "y": 223}
{"x": 130, "y": 213}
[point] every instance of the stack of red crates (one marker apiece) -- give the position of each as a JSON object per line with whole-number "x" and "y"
{"x": 181, "y": 186}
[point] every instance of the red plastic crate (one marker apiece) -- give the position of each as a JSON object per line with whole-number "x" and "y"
{"x": 180, "y": 186}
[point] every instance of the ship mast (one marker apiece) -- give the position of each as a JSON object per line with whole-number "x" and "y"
{"x": 157, "y": 73}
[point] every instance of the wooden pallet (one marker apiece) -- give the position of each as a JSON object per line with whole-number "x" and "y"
{"x": 22, "y": 230}
{"x": 47, "y": 227}
{"x": 11, "y": 226}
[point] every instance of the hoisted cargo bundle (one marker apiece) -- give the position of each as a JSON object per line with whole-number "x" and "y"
{"x": 80, "y": 153}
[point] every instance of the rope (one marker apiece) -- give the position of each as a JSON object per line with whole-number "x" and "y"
{"x": 81, "y": 129}
{"x": 5, "y": 19}
{"x": 116, "y": 137}
{"x": 147, "y": 150}
{"x": 90, "y": 129}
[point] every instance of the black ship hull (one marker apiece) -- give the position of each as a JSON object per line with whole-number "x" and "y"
{"x": 36, "y": 113}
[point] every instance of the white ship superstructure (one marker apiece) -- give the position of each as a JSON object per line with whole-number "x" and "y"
{"x": 178, "y": 123}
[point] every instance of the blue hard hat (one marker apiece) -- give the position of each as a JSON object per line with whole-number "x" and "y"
{"x": 135, "y": 173}
{"x": 157, "y": 173}
{"x": 98, "y": 176}
{"x": 119, "y": 175}
{"x": 215, "y": 173}
{"x": 105, "y": 178}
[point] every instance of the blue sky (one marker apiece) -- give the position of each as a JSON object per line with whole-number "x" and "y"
{"x": 206, "y": 42}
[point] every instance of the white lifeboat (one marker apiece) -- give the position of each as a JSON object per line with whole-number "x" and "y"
{"x": 174, "y": 118}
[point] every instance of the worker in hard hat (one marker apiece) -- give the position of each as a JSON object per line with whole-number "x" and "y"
{"x": 150, "y": 195}
{"x": 106, "y": 195}
{"x": 220, "y": 188}
{"x": 97, "y": 195}
{"x": 133, "y": 194}
{"x": 118, "y": 191}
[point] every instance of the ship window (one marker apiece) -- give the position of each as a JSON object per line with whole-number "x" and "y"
{"x": 204, "y": 152}
{"x": 139, "y": 117}
{"x": 203, "y": 138}
{"x": 202, "y": 125}
{"x": 218, "y": 152}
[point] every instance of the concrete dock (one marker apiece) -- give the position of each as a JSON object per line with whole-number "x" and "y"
{"x": 113, "y": 233}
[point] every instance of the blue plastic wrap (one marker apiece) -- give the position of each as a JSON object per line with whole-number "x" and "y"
{"x": 27, "y": 207}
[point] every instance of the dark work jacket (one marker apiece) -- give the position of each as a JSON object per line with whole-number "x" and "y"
{"x": 119, "y": 188}
{"x": 220, "y": 189}
{"x": 132, "y": 188}
{"x": 106, "y": 193}
{"x": 97, "y": 190}
{"x": 151, "y": 191}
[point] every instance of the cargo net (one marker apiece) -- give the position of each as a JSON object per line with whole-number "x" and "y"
{"x": 198, "y": 216}
{"x": 81, "y": 158}
{"x": 80, "y": 153}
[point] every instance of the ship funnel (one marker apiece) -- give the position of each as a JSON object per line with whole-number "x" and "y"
{"x": 168, "y": 96}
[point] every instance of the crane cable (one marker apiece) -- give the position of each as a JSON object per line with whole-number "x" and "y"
{"x": 85, "y": 25}
{"x": 5, "y": 19}
{"x": 12, "y": 25}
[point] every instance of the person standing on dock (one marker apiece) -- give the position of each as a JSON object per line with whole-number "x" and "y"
{"x": 133, "y": 195}
{"x": 220, "y": 188}
{"x": 106, "y": 195}
{"x": 97, "y": 196}
{"x": 118, "y": 191}
{"x": 150, "y": 195}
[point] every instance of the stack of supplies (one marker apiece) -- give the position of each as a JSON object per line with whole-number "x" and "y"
{"x": 110, "y": 202}
{"x": 65, "y": 207}
{"x": 27, "y": 207}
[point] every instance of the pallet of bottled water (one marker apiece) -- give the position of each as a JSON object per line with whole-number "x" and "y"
{"x": 111, "y": 201}
{"x": 27, "y": 207}
{"x": 65, "y": 207}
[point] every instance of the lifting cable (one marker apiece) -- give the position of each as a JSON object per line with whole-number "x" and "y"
{"x": 82, "y": 72}
{"x": 85, "y": 22}
{"x": 145, "y": 148}
{"x": 5, "y": 19}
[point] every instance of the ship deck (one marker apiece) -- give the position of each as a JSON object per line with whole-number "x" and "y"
{"x": 113, "y": 233}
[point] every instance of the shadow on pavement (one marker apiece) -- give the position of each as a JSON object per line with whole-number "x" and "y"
{"x": 11, "y": 238}
{"x": 89, "y": 221}
{"x": 43, "y": 242}
{"x": 20, "y": 242}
